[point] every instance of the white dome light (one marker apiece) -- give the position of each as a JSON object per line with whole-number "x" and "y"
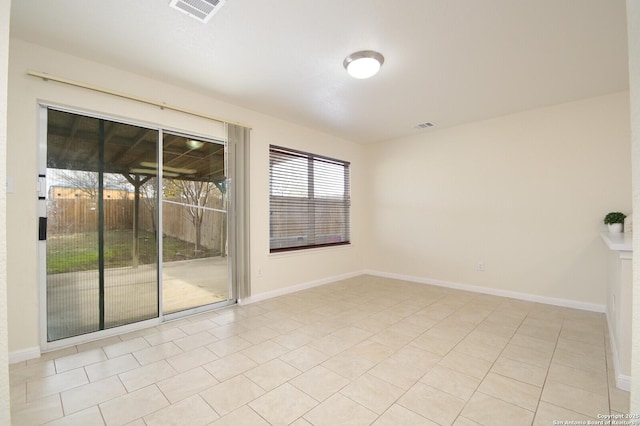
{"x": 363, "y": 64}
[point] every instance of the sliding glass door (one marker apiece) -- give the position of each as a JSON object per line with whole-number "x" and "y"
{"x": 195, "y": 270}
{"x": 101, "y": 267}
{"x": 133, "y": 223}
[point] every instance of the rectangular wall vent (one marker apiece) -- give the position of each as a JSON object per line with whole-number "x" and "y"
{"x": 202, "y": 10}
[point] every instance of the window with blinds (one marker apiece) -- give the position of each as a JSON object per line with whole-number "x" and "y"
{"x": 309, "y": 200}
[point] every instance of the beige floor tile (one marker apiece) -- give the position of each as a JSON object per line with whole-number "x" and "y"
{"x": 317, "y": 330}
{"x": 243, "y": 416}
{"x": 127, "y": 347}
{"x": 372, "y": 393}
{"x": 293, "y": 340}
{"x": 229, "y": 366}
{"x": 619, "y": 400}
{"x": 127, "y": 408}
{"x": 265, "y": 351}
{"x": 534, "y": 343}
{"x": 17, "y": 394}
{"x": 284, "y": 325}
{"x": 88, "y": 417}
{"x": 304, "y": 358}
{"x": 412, "y": 328}
{"x": 38, "y": 412}
{"x": 283, "y": 405}
{"x": 575, "y": 399}
{"x": 548, "y": 413}
{"x": 498, "y": 329}
{"x": 526, "y": 355}
{"x": 197, "y": 327}
{"x": 157, "y": 353}
{"x": 398, "y": 415}
{"x": 432, "y": 403}
{"x": 452, "y": 382}
{"x": 587, "y": 380}
{"x": 228, "y": 330}
{"x": 394, "y": 369}
{"x": 392, "y": 338}
{"x": 543, "y": 332}
{"x": 484, "y": 338}
{"x": 165, "y": 336}
{"x": 272, "y": 374}
{"x": 339, "y": 410}
{"x": 24, "y": 373}
{"x": 583, "y": 336}
{"x": 48, "y": 356}
{"x": 192, "y": 411}
{"x": 435, "y": 344}
{"x": 319, "y": 382}
{"x": 111, "y": 367}
{"x": 371, "y": 351}
{"x": 71, "y": 362}
{"x": 228, "y": 346}
{"x": 463, "y": 421}
{"x": 348, "y": 365}
{"x": 194, "y": 341}
{"x": 146, "y": 375}
{"x": 582, "y": 349}
{"x": 454, "y": 331}
{"x": 96, "y": 344}
{"x": 352, "y": 334}
{"x": 232, "y": 394}
{"x": 475, "y": 349}
{"x": 513, "y": 391}
{"x": 331, "y": 345}
{"x": 194, "y": 358}
{"x": 259, "y": 334}
{"x": 490, "y": 411}
{"x": 471, "y": 366}
{"x": 186, "y": 384}
{"x": 85, "y": 396}
{"x": 54, "y": 384}
{"x": 520, "y": 371}
{"x": 581, "y": 362}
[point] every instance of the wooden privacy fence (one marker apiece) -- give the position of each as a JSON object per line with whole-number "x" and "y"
{"x": 177, "y": 223}
{"x": 70, "y": 216}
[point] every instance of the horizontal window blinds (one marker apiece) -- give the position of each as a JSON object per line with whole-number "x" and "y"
{"x": 309, "y": 198}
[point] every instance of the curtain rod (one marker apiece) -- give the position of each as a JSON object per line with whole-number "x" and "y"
{"x": 46, "y": 77}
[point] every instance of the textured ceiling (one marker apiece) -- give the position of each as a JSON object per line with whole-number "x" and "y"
{"x": 446, "y": 61}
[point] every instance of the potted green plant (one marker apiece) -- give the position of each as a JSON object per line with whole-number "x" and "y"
{"x": 614, "y": 221}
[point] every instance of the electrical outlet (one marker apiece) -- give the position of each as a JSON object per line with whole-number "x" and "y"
{"x": 480, "y": 267}
{"x": 259, "y": 272}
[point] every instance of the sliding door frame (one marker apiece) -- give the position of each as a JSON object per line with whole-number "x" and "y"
{"x": 41, "y": 211}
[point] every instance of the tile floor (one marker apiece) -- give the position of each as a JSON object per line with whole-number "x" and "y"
{"x": 363, "y": 351}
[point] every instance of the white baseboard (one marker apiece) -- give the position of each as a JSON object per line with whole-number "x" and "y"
{"x": 593, "y": 307}
{"x": 298, "y": 287}
{"x": 24, "y": 355}
{"x": 622, "y": 381}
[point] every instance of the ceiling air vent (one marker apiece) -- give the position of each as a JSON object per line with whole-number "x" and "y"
{"x": 202, "y": 10}
{"x": 424, "y": 125}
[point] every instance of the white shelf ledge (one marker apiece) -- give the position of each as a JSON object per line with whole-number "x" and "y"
{"x": 618, "y": 242}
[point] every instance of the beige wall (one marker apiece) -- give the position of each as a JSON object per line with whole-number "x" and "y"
{"x": 5, "y": 6}
{"x": 525, "y": 194}
{"x": 277, "y": 272}
{"x": 633, "y": 27}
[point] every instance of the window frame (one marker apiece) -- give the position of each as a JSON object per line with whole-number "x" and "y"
{"x": 340, "y": 203}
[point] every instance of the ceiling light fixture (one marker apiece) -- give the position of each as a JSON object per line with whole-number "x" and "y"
{"x": 363, "y": 64}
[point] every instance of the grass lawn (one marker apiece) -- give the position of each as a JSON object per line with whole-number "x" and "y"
{"x": 79, "y": 252}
